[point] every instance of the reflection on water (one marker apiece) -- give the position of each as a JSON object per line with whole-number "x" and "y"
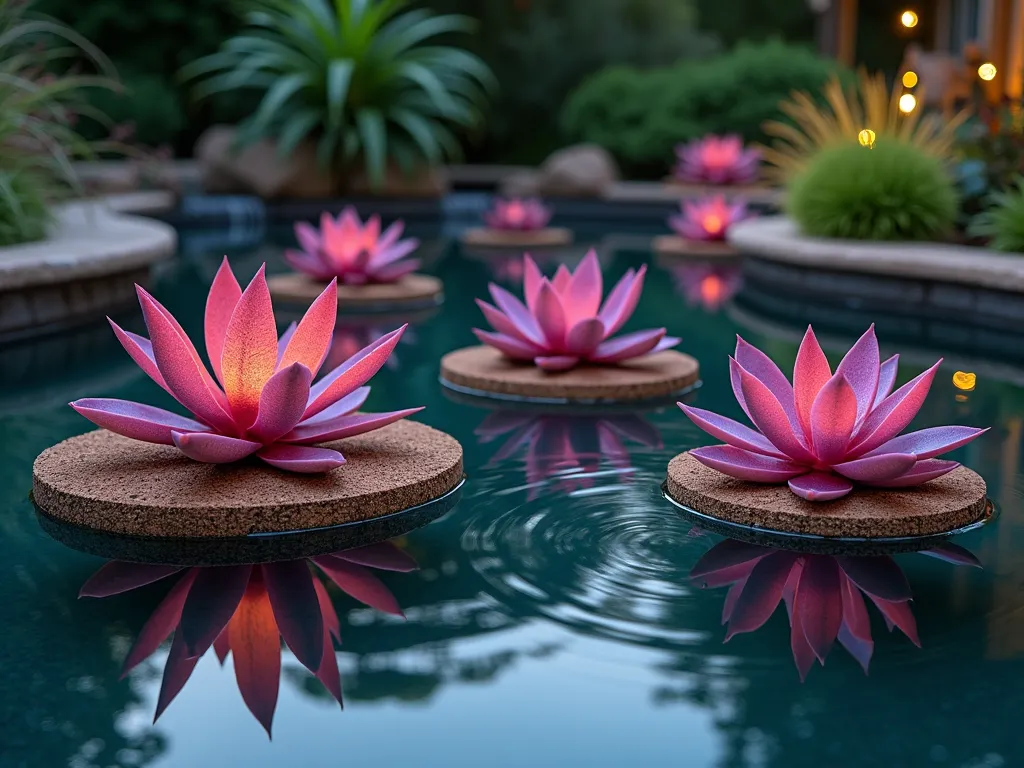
{"x": 709, "y": 286}
{"x": 824, "y": 595}
{"x": 553, "y": 619}
{"x": 247, "y": 611}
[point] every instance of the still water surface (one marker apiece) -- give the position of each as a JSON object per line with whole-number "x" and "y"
{"x": 553, "y": 620}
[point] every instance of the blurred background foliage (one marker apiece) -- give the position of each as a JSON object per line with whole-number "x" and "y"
{"x": 540, "y": 50}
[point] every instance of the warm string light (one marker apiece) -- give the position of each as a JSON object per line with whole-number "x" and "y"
{"x": 987, "y": 71}
{"x": 908, "y": 19}
{"x": 908, "y": 102}
{"x": 866, "y": 138}
{"x": 909, "y": 79}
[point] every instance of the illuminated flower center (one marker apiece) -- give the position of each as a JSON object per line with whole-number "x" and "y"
{"x": 713, "y": 223}
{"x": 515, "y": 213}
{"x": 711, "y": 289}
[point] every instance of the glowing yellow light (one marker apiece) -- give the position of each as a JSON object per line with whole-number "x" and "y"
{"x": 713, "y": 224}
{"x": 964, "y": 381}
{"x": 908, "y": 19}
{"x": 987, "y": 71}
{"x": 866, "y": 138}
{"x": 910, "y": 79}
{"x": 907, "y": 103}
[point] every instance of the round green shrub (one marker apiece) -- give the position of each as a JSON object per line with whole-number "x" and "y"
{"x": 1003, "y": 221}
{"x": 639, "y": 115}
{"x": 892, "y": 191}
{"x": 24, "y": 213}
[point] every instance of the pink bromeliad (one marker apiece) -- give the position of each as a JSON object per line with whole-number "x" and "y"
{"x": 707, "y": 219}
{"x": 354, "y": 253}
{"x": 563, "y": 322}
{"x": 262, "y": 401}
{"x": 827, "y": 431}
{"x": 515, "y": 214}
{"x": 717, "y": 160}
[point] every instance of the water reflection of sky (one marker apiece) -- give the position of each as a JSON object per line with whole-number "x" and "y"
{"x": 552, "y": 620}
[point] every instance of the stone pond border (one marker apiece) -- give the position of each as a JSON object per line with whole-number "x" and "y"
{"x": 777, "y": 238}
{"x": 87, "y": 267}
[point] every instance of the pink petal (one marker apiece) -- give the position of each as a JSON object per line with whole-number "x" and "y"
{"x": 551, "y": 316}
{"x": 667, "y": 342}
{"x": 886, "y": 379}
{"x": 211, "y": 602}
{"x": 222, "y": 646}
{"x": 894, "y": 413}
{"x": 622, "y": 300}
{"x": 855, "y": 611}
{"x": 921, "y": 472}
{"x": 584, "y": 337}
{"x": 307, "y": 237}
{"x": 177, "y": 670}
{"x": 760, "y": 366}
{"x": 860, "y": 649}
{"x": 393, "y": 272}
{"x": 310, "y": 264}
{"x": 810, "y": 374}
{"x": 532, "y": 278}
{"x": 330, "y": 617}
{"x": 562, "y": 278}
{"x": 383, "y": 555}
{"x": 878, "y": 576}
{"x": 345, "y": 426}
{"x": 141, "y": 351}
{"x": 770, "y": 417}
{"x": 833, "y": 417}
{"x": 135, "y": 420}
{"x": 500, "y": 322}
{"x": 931, "y": 442}
{"x": 953, "y": 553}
{"x": 582, "y": 297}
{"x": 514, "y": 348}
{"x": 211, "y": 448}
{"x": 899, "y": 615}
{"x": 349, "y": 403}
{"x": 517, "y": 313}
{"x": 282, "y": 343}
{"x": 116, "y": 577}
{"x": 731, "y": 432}
{"x": 727, "y": 554}
{"x": 818, "y": 486}
{"x": 762, "y": 593}
{"x": 250, "y": 350}
{"x": 282, "y": 403}
{"x": 556, "y": 362}
{"x": 731, "y": 598}
{"x": 296, "y": 610}
{"x": 803, "y": 654}
{"x": 160, "y": 624}
{"x": 311, "y": 340}
{"x": 386, "y": 256}
{"x": 183, "y": 371}
{"x": 328, "y": 672}
{"x": 220, "y": 303}
{"x": 353, "y": 373}
{"x": 883, "y": 466}
{"x": 359, "y": 583}
{"x": 819, "y": 603}
{"x": 302, "y": 459}
{"x": 744, "y": 465}
{"x": 627, "y": 346}
{"x": 253, "y": 636}
{"x": 860, "y": 366}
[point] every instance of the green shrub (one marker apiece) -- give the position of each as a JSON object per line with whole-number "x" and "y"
{"x": 640, "y": 115}
{"x": 894, "y": 191}
{"x": 365, "y": 79}
{"x": 1003, "y": 221}
{"x": 24, "y": 213}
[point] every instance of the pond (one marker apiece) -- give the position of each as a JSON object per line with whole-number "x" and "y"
{"x": 553, "y": 619}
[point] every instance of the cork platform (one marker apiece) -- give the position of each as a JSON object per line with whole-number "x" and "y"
{"x": 487, "y": 372}
{"x": 673, "y": 245}
{"x": 105, "y": 482}
{"x": 413, "y": 291}
{"x": 940, "y": 506}
{"x": 513, "y": 238}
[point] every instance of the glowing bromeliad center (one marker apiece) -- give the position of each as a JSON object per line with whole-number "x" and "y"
{"x": 515, "y": 212}
{"x": 713, "y": 223}
{"x": 711, "y": 289}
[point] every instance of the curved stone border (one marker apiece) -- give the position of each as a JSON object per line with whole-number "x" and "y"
{"x": 87, "y": 267}
{"x": 486, "y": 372}
{"x": 110, "y": 483}
{"x": 777, "y": 238}
{"x": 755, "y": 194}
{"x": 942, "y": 505}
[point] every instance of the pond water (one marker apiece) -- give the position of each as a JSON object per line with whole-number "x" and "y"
{"x": 553, "y": 619}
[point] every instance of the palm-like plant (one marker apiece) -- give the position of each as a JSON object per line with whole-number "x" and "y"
{"x": 42, "y": 98}
{"x": 847, "y": 111}
{"x": 361, "y": 77}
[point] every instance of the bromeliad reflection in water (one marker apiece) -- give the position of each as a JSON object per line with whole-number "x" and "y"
{"x": 710, "y": 286}
{"x": 566, "y": 448}
{"x": 824, "y": 595}
{"x": 246, "y": 611}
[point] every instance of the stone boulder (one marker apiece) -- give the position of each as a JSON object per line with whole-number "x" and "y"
{"x": 582, "y": 170}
